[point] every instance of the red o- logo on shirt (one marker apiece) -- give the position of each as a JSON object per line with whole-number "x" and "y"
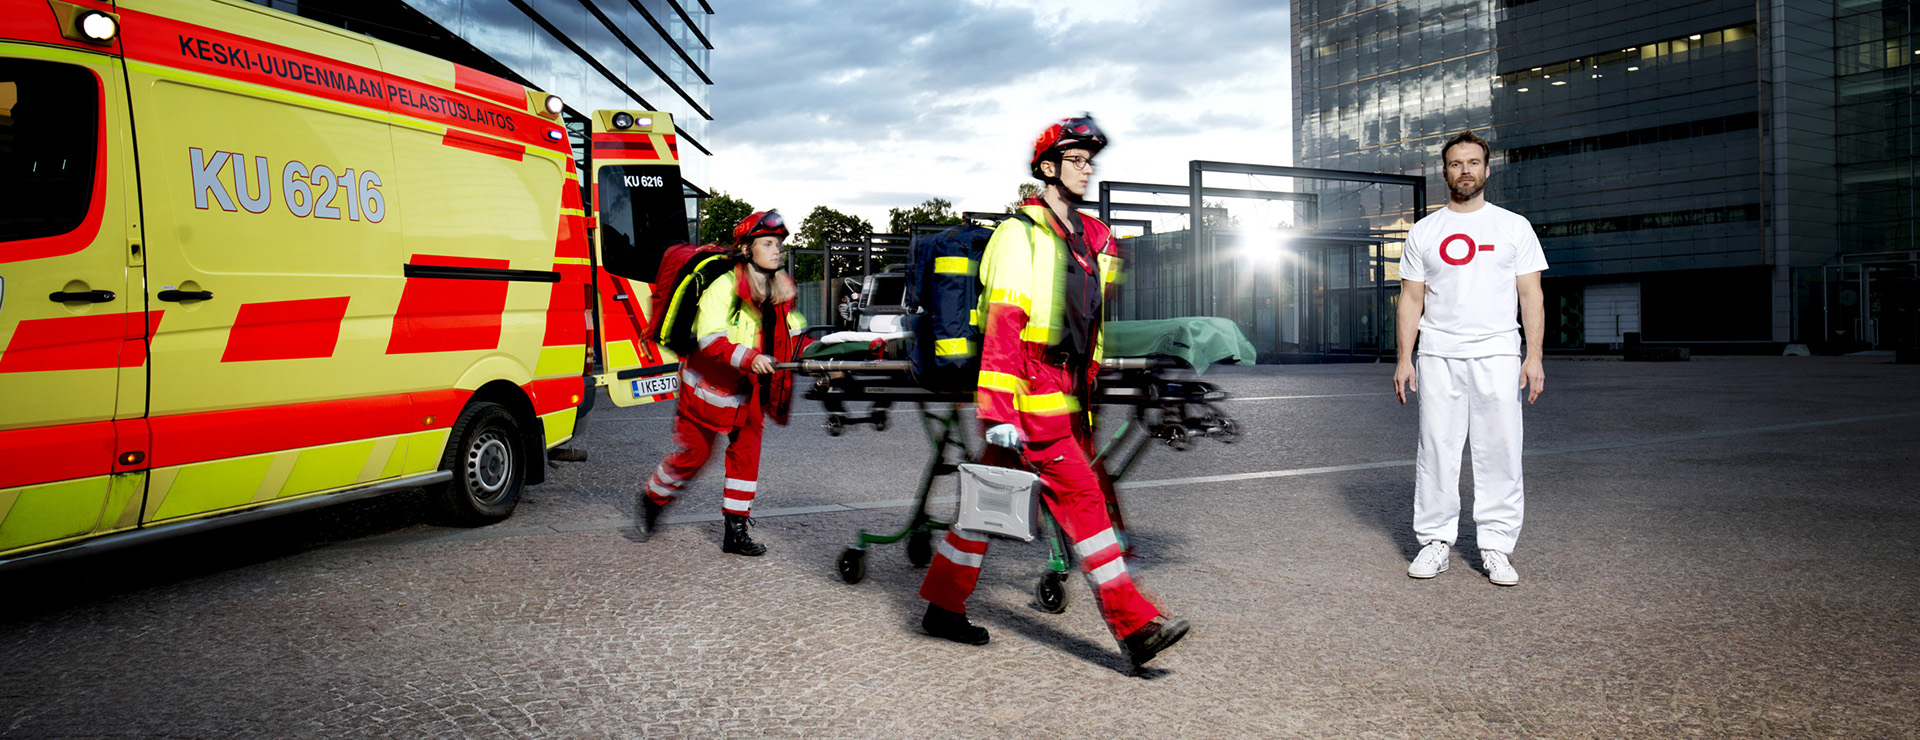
{"x": 1472, "y": 249}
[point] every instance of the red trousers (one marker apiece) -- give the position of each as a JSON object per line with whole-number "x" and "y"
{"x": 1075, "y": 497}
{"x": 694, "y": 443}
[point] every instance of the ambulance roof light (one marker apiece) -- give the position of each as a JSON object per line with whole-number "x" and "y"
{"x": 555, "y": 105}
{"x": 646, "y": 122}
{"x": 99, "y": 27}
{"x": 623, "y": 120}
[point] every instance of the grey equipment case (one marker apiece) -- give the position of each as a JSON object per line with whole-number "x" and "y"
{"x": 997, "y": 501}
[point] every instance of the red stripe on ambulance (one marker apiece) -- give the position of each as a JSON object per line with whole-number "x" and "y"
{"x": 48, "y": 454}
{"x": 286, "y": 330}
{"x": 567, "y": 307}
{"x": 475, "y": 82}
{"x": 217, "y": 435}
{"x": 449, "y": 315}
{"x": 78, "y": 343}
{"x": 462, "y": 140}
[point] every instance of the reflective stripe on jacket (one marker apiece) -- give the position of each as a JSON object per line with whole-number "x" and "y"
{"x": 1022, "y": 303}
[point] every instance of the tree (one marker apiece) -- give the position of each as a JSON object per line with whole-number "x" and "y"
{"x": 822, "y": 227}
{"x": 719, "y": 214}
{"x": 934, "y": 211}
{"x": 1027, "y": 190}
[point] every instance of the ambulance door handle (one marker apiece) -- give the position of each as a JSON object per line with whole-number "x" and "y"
{"x": 185, "y": 295}
{"x": 90, "y": 296}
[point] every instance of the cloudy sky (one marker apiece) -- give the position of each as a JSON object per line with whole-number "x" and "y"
{"x": 877, "y": 104}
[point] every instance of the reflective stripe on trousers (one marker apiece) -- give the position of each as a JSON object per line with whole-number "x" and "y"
{"x": 693, "y": 445}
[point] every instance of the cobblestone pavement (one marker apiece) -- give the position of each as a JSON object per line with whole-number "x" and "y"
{"x": 1718, "y": 548}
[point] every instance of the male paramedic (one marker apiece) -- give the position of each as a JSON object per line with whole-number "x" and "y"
{"x": 1466, "y": 271}
{"x": 743, "y": 325}
{"x": 1043, "y": 277}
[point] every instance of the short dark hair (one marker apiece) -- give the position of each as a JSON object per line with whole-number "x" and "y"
{"x": 1467, "y": 137}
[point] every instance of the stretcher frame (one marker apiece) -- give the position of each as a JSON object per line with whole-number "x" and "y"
{"x": 1174, "y": 411}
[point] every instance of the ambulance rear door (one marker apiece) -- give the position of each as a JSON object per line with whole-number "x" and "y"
{"x": 641, "y": 210}
{"x": 72, "y": 318}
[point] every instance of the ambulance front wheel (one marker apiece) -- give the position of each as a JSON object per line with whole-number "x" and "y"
{"x": 852, "y": 565}
{"x": 487, "y": 458}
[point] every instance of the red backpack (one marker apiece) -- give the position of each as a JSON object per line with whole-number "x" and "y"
{"x": 686, "y": 270}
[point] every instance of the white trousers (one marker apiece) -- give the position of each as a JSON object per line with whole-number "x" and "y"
{"x": 1474, "y": 400}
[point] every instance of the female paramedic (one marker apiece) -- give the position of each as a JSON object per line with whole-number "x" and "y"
{"x": 743, "y": 325}
{"x": 1043, "y": 277}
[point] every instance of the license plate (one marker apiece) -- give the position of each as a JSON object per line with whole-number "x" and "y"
{"x": 656, "y": 385}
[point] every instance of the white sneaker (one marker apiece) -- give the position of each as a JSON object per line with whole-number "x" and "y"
{"x": 1432, "y": 560}
{"x": 1499, "y": 570}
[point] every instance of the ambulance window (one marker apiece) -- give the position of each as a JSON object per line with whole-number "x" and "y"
{"x": 641, "y": 214}
{"x": 49, "y": 126}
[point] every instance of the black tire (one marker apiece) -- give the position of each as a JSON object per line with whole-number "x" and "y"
{"x": 920, "y": 548}
{"x": 835, "y": 425}
{"x": 852, "y": 566}
{"x": 488, "y": 459}
{"x": 1050, "y": 594}
{"x": 1229, "y": 431}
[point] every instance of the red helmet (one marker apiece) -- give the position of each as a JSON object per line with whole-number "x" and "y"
{"x": 759, "y": 224}
{"x": 1069, "y": 133}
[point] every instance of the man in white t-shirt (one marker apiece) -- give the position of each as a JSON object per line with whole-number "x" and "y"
{"x": 1465, "y": 270}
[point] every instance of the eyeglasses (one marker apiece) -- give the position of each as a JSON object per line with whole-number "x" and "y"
{"x": 1083, "y": 164}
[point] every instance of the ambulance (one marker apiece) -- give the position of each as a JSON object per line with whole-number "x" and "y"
{"x": 251, "y": 264}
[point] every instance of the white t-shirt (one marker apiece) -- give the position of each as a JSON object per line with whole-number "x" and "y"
{"x": 1468, "y": 262}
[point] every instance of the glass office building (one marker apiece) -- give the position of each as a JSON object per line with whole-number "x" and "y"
{"x": 1708, "y": 172}
{"x": 594, "y": 54}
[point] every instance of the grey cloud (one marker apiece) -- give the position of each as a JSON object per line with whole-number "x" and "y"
{"x": 807, "y": 71}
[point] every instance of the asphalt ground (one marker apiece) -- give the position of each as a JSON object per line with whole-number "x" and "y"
{"x": 1727, "y": 547}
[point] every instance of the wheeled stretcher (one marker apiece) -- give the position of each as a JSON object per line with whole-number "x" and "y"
{"x": 1168, "y": 405}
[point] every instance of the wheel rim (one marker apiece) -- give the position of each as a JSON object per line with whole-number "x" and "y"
{"x": 489, "y": 467}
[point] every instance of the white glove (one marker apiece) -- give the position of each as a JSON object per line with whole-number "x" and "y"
{"x": 1005, "y": 435}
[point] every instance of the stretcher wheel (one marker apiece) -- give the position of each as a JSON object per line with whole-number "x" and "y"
{"x": 920, "y": 548}
{"x": 1178, "y": 439}
{"x": 1051, "y": 593}
{"x": 852, "y": 565}
{"x": 880, "y": 420}
{"x": 835, "y": 425}
{"x": 1229, "y": 431}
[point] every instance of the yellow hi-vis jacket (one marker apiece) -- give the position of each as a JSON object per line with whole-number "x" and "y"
{"x": 717, "y": 389}
{"x": 1023, "y": 314}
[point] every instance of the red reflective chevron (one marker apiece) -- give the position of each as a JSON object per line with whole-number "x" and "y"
{"x": 79, "y": 342}
{"x": 449, "y": 315}
{"x": 286, "y": 330}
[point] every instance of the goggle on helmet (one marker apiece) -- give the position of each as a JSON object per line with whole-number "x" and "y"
{"x": 1070, "y": 133}
{"x": 759, "y": 224}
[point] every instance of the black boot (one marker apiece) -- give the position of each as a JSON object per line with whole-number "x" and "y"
{"x": 737, "y": 541}
{"x": 952, "y": 626}
{"x": 1148, "y": 641}
{"x": 650, "y": 513}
